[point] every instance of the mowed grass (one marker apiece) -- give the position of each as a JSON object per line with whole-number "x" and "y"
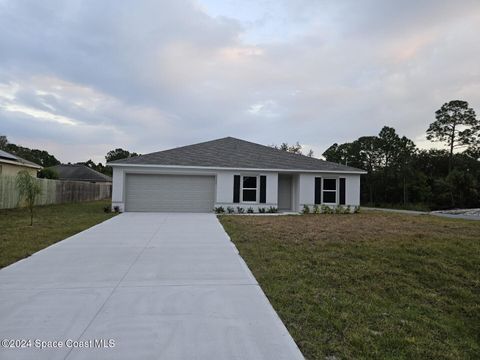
{"x": 371, "y": 285}
{"x": 51, "y": 223}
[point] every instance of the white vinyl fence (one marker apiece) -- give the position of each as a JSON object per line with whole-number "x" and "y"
{"x": 54, "y": 192}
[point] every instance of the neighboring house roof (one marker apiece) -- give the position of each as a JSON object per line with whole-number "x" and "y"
{"x": 9, "y": 158}
{"x": 78, "y": 172}
{"x": 233, "y": 153}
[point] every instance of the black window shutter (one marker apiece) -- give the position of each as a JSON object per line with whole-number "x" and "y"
{"x": 236, "y": 188}
{"x": 342, "y": 191}
{"x": 318, "y": 190}
{"x": 263, "y": 189}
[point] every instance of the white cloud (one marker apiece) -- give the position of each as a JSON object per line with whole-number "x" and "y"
{"x": 267, "y": 108}
{"x": 38, "y": 114}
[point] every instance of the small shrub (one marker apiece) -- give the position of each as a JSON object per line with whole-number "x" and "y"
{"x": 230, "y": 210}
{"x": 116, "y": 209}
{"x": 339, "y": 209}
{"x": 250, "y": 210}
{"x": 306, "y": 209}
{"x": 219, "y": 210}
{"x": 107, "y": 209}
{"x": 272, "y": 210}
{"x": 356, "y": 209}
{"x": 261, "y": 210}
{"x": 28, "y": 190}
{"x": 240, "y": 210}
{"x": 316, "y": 209}
{"x": 325, "y": 209}
{"x": 348, "y": 210}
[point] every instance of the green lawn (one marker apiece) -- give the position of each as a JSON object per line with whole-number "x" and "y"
{"x": 369, "y": 285}
{"x": 51, "y": 223}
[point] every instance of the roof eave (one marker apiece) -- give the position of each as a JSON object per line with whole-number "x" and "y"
{"x": 17, "y": 163}
{"x": 359, "y": 172}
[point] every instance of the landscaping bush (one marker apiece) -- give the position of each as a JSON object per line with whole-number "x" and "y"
{"x": 250, "y": 210}
{"x": 230, "y": 210}
{"x": 240, "y": 210}
{"x": 325, "y": 209}
{"x": 219, "y": 210}
{"x": 339, "y": 209}
{"x": 261, "y": 210}
{"x": 272, "y": 209}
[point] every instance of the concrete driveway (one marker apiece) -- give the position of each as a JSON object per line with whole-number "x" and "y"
{"x": 154, "y": 285}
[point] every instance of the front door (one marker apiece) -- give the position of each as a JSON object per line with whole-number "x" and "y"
{"x": 284, "y": 192}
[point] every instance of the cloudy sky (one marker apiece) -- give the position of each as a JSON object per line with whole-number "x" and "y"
{"x": 79, "y": 78}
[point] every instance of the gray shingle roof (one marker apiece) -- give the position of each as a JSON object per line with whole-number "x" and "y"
{"x": 79, "y": 172}
{"x": 230, "y": 152}
{"x": 12, "y": 157}
{"x": 6, "y": 155}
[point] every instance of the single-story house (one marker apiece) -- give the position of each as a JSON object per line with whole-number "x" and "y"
{"x": 230, "y": 172}
{"x": 11, "y": 165}
{"x": 79, "y": 172}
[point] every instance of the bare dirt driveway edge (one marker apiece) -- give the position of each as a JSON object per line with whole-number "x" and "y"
{"x": 154, "y": 285}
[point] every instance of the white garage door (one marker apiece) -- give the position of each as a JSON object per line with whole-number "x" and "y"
{"x": 169, "y": 193}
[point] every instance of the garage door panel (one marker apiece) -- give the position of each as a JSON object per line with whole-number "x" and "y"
{"x": 169, "y": 193}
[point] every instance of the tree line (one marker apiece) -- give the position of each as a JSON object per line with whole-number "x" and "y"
{"x": 43, "y": 158}
{"x": 112, "y": 155}
{"x": 40, "y": 157}
{"x": 401, "y": 174}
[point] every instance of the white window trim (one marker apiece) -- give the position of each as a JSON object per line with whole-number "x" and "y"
{"x": 256, "y": 189}
{"x": 332, "y": 191}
